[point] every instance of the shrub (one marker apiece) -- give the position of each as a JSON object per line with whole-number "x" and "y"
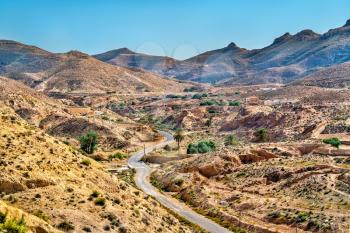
{"x": 2, "y": 217}
{"x": 86, "y": 162}
{"x": 191, "y": 89}
{"x": 212, "y": 111}
{"x": 87, "y": 229}
{"x": 201, "y": 147}
{"x": 231, "y": 140}
{"x": 117, "y": 155}
{"x": 167, "y": 148}
{"x": 208, "y": 103}
{"x": 100, "y": 201}
{"x": 95, "y": 193}
{"x": 221, "y": 103}
{"x": 88, "y": 142}
{"x": 65, "y": 226}
{"x": 302, "y": 217}
{"x": 13, "y": 226}
{"x": 156, "y": 183}
{"x": 42, "y": 215}
{"x": 123, "y": 229}
{"x": 262, "y": 135}
{"x": 172, "y": 96}
{"x": 234, "y": 103}
{"x": 335, "y": 142}
{"x": 197, "y": 96}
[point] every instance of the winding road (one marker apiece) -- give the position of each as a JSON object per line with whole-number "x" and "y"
{"x": 143, "y": 172}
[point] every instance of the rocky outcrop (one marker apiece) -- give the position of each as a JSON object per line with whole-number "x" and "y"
{"x": 11, "y": 186}
{"x": 256, "y": 155}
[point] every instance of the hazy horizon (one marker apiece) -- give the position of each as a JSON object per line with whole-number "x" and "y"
{"x": 163, "y": 28}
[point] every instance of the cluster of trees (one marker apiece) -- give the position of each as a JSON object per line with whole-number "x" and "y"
{"x": 201, "y": 147}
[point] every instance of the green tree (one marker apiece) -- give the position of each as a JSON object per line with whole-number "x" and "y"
{"x": 262, "y": 135}
{"x": 179, "y": 136}
{"x": 202, "y": 147}
{"x": 88, "y": 142}
{"x": 335, "y": 142}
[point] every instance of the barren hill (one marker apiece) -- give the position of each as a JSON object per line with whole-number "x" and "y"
{"x": 337, "y": 76}
{"x": 288, "y": 58}
{"x": 127, "y": 58}
{"x": 58, "y": 118}
{"x": 49, "y": 179}
{"x": 74, "y": 72}
{"x": 16, "y": 57}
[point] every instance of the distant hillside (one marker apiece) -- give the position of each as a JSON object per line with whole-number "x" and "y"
{"x": 16, "y": 58}
{"x": 82, "y": 73}
{"x": 288, "y": 58}
{"x": 76, "y": 72}
{"x": 337, "y": 76}
{"x": 63, "y": 120}
{"x": 127, "y": 58}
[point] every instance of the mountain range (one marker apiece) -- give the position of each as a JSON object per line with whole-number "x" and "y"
{"x": 288, "y": 58}
{"x": 76, "y": 72}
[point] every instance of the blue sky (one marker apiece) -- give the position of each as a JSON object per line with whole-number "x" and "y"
{"x": 176, "y": 28}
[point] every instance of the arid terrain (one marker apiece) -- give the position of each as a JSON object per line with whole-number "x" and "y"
{"x": 266, "y": 149}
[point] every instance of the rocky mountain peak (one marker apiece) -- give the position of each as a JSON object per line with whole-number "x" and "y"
{"x": 347, "y": 24}
{"x": 124, "y": 51}
{"x": 232, "y": 45}
{"x": 306, "y": 35}
{"x": 282, "y": 38}
{"x": 77, "y": 54}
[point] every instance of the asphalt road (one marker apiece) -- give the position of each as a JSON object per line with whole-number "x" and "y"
{"x": 143, "y": 172}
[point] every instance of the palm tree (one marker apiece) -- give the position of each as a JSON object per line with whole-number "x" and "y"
{"x": 179, "y": 136}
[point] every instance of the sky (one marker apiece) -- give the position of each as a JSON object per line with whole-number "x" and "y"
{"x": 175, "y": 28}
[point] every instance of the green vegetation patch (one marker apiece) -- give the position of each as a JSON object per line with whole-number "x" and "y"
{"x": 234, "y": 103}
{"x": 12, "y": 225}
{"x": 199, "y": 96}
{"x": 88, "y": 142}
{"x": 201, "y": 147}
{"x": 172, "y": 96}
{"x": 231, "y": 140}
{"x": 212, "y": 103}
{"x": 117, "y": 155}
{"x": 262, "y": 135}
{"x": 335, "y": 142}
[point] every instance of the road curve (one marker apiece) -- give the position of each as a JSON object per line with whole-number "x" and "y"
{"x": 143, "y": 172}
